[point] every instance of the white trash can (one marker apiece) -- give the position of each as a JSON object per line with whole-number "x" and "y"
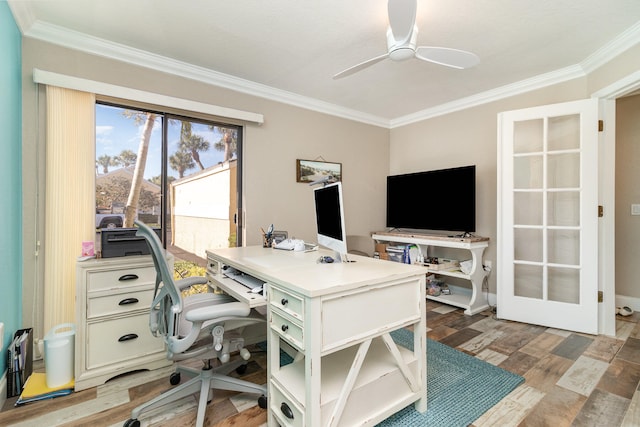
{"x": 58, "y": 354}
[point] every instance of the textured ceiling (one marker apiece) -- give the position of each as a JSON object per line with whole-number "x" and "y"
{"x": 291, "y": 49}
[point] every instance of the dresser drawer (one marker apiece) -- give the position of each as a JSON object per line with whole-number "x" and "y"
{"x": 289, "y": 330}
{"x": 291, "y": 304}
{"x": 119, "y": 303}
{"x": 109, "y": 279}
{"x": 121, "y": 339}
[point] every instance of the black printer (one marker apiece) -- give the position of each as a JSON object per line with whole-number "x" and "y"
{"x": 117, "y": 242}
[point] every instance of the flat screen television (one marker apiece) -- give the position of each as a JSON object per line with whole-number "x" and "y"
{"x": 439, "y": 200}
{"x": 330, "y": 219}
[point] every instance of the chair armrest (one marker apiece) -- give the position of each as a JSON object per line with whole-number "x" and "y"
{"x": 216, "y": 311}
{"x": 190, "y": 281}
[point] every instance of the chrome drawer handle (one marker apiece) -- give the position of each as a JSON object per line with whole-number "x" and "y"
{"x": 284, "y": 328}
{"x": 128, "y": 301}
{"x": 128, "y": 277}
{"x": 286, "y": 410}
{"x": 284, "y": 301}
{"x": 127, "y": 337}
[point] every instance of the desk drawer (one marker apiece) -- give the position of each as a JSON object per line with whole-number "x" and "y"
{"x": 109, "y": 279}
{"x": 119, "y": 303}
{"x": 287, "y": 412}
{"x": 126, "y": 338}
{"x": 291, "y": 304}
{"x": 289, "y": 330}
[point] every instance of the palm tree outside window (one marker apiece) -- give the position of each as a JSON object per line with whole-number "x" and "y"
{"x": 170, "y": 172}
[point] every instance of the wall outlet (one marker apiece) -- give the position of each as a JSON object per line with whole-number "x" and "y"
{"x": 488, "y": 265}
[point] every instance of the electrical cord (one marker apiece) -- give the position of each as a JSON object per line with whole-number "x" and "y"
{"x": 485, "y": 287}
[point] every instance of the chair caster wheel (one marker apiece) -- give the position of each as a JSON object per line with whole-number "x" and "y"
{"x": 174, "y": 379}
{"x": 131, "y": 423}
{"x": 241, "y": 369}
{"x": 262, "y": 402}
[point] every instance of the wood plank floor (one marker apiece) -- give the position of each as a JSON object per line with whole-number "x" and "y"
{"x": 571, "y": 380}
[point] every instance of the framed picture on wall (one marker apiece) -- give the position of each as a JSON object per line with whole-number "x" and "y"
{"x": 313, "y": 170}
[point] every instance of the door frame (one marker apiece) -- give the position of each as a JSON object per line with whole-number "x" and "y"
{"x": 606, "y": 173}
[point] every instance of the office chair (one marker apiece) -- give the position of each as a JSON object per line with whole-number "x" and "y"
{"x": 205, "y": 325}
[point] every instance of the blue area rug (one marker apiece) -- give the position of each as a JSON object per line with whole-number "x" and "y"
{"x": 460, "y": 387}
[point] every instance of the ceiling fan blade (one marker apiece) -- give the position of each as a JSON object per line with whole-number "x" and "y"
{"x": 360, "y": 66}
{"x": 448, "y": 57}
{"x": 402, "y": 18}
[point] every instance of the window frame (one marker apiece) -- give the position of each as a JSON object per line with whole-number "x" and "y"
{"x": 168, "y": 114}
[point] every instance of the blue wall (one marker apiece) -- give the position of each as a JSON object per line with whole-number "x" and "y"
{"x": 10, "y": 176}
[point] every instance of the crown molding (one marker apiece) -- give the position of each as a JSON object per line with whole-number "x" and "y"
{"x": 22, "y": 14}
{"x": 615, "y": 47}
{"x": 100, "y": 47}
{"x": 33, "y": 28}
{"x": 623, "y": 42}
{"x": 523, "y": 86}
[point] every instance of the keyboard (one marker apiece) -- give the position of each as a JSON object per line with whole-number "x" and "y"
{"x": 247, "y": 280}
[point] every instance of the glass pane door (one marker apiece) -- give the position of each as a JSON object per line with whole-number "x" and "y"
{"x": 546, "y": 200}
{"x": 547, "y": 240}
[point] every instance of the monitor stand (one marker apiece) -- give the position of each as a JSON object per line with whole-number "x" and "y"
{"x": 340, "y": 257}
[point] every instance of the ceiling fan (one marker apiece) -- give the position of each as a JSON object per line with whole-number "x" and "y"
{"x": 401, "y": 43}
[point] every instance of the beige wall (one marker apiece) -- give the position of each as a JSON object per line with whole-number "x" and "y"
{"x": 470, "y": 137}
{"x": 271, "y": 192}
{"x": 627, "y": 193}
{"x": 367, "y": 153}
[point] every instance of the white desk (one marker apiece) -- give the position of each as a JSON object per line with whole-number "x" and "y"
{"x": 339, "y": 317}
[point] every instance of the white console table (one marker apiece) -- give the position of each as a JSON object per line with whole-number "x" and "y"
{"x": 469, "y": 299}
{"x": 338, "y": 317}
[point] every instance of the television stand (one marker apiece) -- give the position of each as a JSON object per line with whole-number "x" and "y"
{"x": 470, "y": 299}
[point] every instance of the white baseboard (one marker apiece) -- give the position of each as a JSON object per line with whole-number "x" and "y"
{"x": 625, "y": 301}
{"x": 621, "y": 301}
{"x": 3, "y": 389}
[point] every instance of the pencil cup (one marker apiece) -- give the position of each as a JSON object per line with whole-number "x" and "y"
{"x": 267, "y": 241}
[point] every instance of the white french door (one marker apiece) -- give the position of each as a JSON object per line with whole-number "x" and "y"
{"x": 547, "y": 272}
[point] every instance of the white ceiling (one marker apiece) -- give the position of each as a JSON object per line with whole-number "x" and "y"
{"x": 289, "y": 50}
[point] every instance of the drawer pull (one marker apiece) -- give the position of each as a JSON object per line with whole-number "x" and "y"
{"x": 128, "y": 301}
{"x": 126, "y": 277}
{"x": 127, "y": 337}
{"x": 286, "y": 410}
{"x": 284, "y": 301}
{"x": 284, "y": 328}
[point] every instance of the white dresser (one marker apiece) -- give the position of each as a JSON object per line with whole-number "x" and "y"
{"x": 113, "y": 298}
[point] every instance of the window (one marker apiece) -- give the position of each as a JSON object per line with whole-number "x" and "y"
{"x": 175, "y": 173}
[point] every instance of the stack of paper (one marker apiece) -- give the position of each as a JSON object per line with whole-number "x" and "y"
{"x": 36, "y": 389}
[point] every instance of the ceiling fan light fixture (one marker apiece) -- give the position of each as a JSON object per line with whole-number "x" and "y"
{"x": 401, "y": 50}
{"x": 402, "y": 45}
{"x": 402, "y": 53}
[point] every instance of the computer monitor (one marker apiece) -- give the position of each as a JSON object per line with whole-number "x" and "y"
{"x": 330, "y": 219}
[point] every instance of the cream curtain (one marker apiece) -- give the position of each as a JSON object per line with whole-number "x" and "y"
{"x": 70, "y": 197}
